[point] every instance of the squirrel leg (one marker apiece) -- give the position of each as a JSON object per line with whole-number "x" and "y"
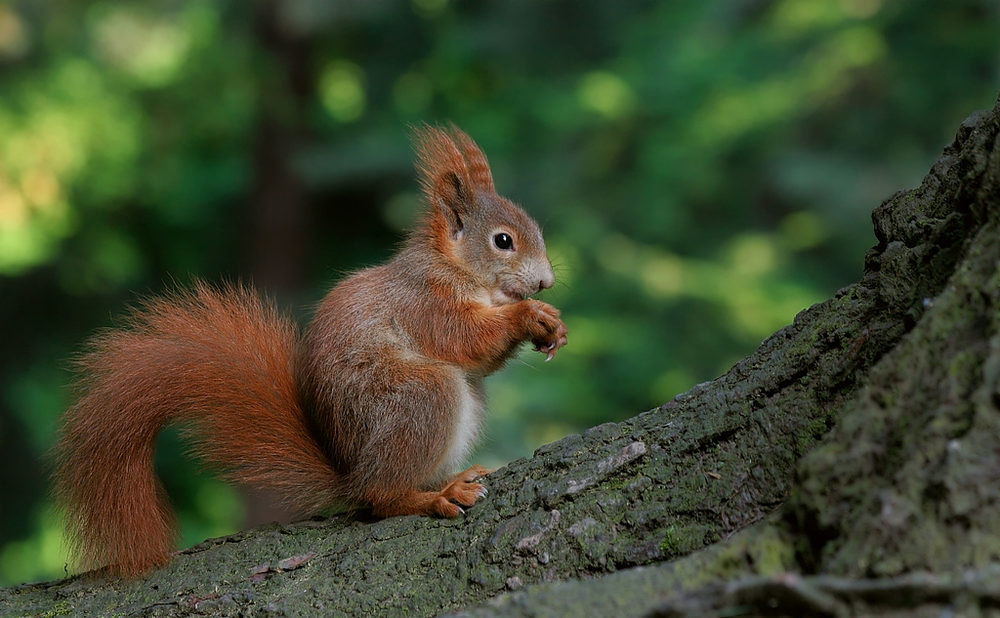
{"x": 460, "y": 490}
{"x": 419, "y": 419}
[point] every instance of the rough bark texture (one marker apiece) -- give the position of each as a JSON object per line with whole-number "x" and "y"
{"x": 849, "y": 466}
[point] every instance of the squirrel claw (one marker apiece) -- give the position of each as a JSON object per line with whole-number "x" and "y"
{"x": 547, "y": 333}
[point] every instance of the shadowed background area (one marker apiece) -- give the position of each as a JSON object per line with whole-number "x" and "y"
{"x": 702, "y": 171}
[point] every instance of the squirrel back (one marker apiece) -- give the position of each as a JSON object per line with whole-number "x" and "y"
{"x": 374, "y": 406}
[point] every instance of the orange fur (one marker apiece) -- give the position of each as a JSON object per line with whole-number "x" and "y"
{"x": 218, "y": 361}
{"x": 374, "y": 405}
{"x": 478, "y": 167}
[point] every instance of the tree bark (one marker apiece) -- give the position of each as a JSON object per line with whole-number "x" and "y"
{"x": 848, "y": 466}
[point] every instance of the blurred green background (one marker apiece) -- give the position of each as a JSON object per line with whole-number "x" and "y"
{"x": 703, "y": 171}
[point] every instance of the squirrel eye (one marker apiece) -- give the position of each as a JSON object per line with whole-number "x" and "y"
{"x": 503, "y": 241}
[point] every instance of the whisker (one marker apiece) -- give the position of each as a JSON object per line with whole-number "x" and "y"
{"x": 525, "y": 363}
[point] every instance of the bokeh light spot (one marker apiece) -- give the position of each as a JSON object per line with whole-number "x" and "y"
{"x": 606, "y": 93}
{"x": 342, "y": 91}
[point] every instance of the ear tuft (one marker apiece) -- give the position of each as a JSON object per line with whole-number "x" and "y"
{"x": 475, "y": 161}
{"x": 450, "y": 166}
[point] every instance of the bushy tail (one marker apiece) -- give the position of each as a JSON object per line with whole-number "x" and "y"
{"x": 219, "y": 361}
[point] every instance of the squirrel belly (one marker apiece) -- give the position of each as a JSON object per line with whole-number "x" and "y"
{"x": 375, "y": 404}
{"x": 468, "y": 421}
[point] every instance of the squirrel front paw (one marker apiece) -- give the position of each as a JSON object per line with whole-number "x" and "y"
{"x": 545, "y": 330}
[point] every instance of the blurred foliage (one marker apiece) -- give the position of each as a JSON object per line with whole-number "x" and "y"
{"x": 703, "y": 171}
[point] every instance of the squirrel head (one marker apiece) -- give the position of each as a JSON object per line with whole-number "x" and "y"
{"x": 484, "y": 234}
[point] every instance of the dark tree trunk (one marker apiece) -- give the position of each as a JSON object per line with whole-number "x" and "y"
{"x": 848, "y": 466}
{"x": 278, "y": 195}
{"x": 277, "y": 231}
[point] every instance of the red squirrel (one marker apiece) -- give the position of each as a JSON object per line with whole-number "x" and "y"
{"x": 374, "y": 405}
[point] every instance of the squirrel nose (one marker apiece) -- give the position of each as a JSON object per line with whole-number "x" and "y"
{"x": 548, "y": 279}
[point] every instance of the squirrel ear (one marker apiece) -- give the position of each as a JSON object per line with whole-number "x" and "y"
{"x": 444, "y": 176}
{"x": 451, "y": 200}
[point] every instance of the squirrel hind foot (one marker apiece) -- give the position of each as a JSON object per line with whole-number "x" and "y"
{"x": 429, "y": 503}
{"x": 468, "y": 476}
{"x": 465, "y": 494}
{"x": 462, "y": 490}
